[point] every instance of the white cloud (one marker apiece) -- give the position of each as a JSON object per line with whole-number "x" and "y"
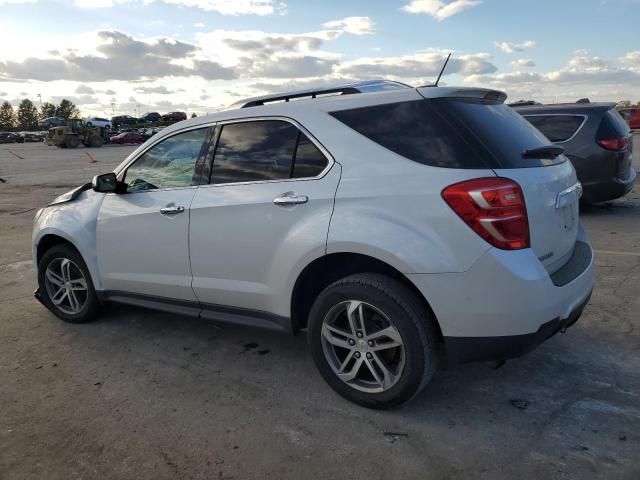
{"x": 198, "y": 25}
{"x": 523, "y": 62}
{"x": 582, "y": 75}
{"x": 509, "y": 47}
{"x": 632, "y": 58}
{"x": 224, "y": 7}
{"x": 85, "y": 89}
{"x": 439, "y": 9}
{"x": 353, "y": 25}
{"x": 420, "y": 64}
{"x": 234, "y": 7}
{"x": 8, "y": 2}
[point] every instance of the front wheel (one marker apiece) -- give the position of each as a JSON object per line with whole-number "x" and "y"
{"x": 65, "y": 285}
{"x": 373, "y": 340}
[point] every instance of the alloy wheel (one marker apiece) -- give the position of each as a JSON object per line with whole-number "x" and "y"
{"x": 66, "y": 286}
{"x": 362, "y": 346}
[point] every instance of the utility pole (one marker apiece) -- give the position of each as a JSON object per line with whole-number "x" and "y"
{"x": 40, "y": 100}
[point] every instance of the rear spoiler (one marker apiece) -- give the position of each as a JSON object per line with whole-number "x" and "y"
{"x": 461, "y": 92}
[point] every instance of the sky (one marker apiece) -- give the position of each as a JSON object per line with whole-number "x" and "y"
{"x": 199, "y": 56}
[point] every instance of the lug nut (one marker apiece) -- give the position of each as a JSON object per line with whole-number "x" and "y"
{"x": 352, "y": 342}
{"x": 359, "y": 334}
{"x": 357, "y": 354}
{"x": 369, "y": 355}
{"x": 371, "y": 343}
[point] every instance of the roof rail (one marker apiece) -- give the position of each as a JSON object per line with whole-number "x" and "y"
{"x": 290, "y": 96}
{"x": 345, "y": 89}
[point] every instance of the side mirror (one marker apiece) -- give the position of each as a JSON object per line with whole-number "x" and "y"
{"x": 105, "y": 183}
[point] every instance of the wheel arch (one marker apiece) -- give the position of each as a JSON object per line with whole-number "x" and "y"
{"x": 325, "y": 270}
{"x": 51, "y": 238}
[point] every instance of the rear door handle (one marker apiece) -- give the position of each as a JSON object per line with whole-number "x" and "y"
{"x": 171, "y": 210}
{"x": 290, "y": 199}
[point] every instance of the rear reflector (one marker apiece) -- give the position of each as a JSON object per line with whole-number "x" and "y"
{"x": 494, "y": 208}
{"x": 616, "y": 144}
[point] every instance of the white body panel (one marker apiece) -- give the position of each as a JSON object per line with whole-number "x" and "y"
{"x": 504, "y": 293}
{"x": 553, "y": 230}
{"x": 141, "y": 250}
{"x": 247, "y": 252}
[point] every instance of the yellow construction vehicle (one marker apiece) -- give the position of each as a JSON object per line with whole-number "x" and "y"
{"x": 74, "y": 133}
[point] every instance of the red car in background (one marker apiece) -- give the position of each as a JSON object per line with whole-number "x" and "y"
{"x": 632, "y": 116}
{"x": 127, "y": 137}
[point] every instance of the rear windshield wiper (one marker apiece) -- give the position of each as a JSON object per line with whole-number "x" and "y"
{"x": 548, "y": 151}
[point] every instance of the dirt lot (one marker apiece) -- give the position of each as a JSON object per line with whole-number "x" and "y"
{"x": 144, "y": 395}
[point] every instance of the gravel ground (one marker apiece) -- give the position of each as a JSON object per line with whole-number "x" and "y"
{"x": 146, "y": 395}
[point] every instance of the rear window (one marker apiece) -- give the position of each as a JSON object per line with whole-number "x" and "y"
{"x": 612, "y": 126}
{"x": 450, "y": 132}
{"x": 557, "y": 128}
{"x": 503, "y": 132}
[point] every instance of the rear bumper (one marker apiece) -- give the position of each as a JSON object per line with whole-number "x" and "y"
{"x": 603, "y": 191}
{"x": 507, "y": 303}
{"x": 474, "y": 349}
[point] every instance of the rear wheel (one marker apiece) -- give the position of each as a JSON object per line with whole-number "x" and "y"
{"x": 372, "y": 340}
{"x": 65, "y": 285}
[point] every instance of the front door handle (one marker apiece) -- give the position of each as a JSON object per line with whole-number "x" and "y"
{"x": 171, "y": 210}
{"x": 290, "y": 199}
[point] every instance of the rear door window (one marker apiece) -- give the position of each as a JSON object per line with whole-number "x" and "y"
{"x": 254, "y": 151}
{"x": 265, "y": 150}
{"x": 557, "y": 128}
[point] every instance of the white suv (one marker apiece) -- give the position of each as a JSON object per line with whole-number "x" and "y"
{"x": 97, "y": 122}
{"x": 401, "y": 227}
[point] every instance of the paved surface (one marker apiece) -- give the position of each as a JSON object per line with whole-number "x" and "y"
{"x": 144, "y": 395}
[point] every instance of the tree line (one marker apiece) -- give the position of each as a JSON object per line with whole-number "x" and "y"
{"x": 27, "y": 115}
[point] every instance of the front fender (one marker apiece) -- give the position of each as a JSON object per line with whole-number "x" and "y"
{"x": 76, "y": 223}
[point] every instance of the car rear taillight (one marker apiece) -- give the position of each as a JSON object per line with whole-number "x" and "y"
{"x": 616, "y": 144}
{"x": 494, "y": 208}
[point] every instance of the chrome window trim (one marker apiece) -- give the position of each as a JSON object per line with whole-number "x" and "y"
{"x": 292, "y": 121}
{"x": 584, "y": 120}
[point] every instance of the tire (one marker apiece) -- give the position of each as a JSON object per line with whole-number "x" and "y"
{"x": 95, "y": 141}
{"x": 89, "y": 124}
{"x": 86, "y": 303}
{"x": 384, "y": 300}
{"x": 72, "y": 141}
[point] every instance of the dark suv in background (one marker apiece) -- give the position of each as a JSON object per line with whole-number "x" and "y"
{"x": 174, "y": 116}
{"x": 120, "y": 120}
{"x": 596, "y": 139}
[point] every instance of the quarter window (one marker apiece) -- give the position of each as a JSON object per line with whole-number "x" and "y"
{"x": 168, "y": 164}
{"x": 264, "y": 150}
{"x": 416, "y": 130}
{"x": 310, "y": 161}
{"x": 557, "y": 128}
